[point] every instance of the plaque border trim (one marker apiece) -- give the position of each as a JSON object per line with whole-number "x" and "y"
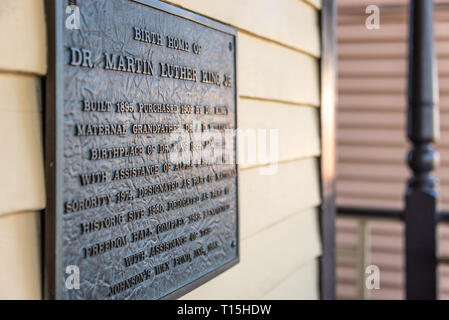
{"x": 54, "y": 141}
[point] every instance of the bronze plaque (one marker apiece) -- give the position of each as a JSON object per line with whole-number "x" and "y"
{"x": 140, "y": 150}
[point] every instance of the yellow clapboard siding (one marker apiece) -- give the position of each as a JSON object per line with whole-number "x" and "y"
{"x": 281, "y": 20}
{"x": 266, "y": 259}
{"x": 394, "y": 50}
{"x": 270, "y": 71}
{"x": 296, "y": 129}
{"x": 23, "y": 36}
{"x": 371, "y": 189}
{"x": 368, "y": 202}
{"x": 21, "y": 165}
{"x": 266, "y": 199}
{"x": 20, "y": 270}
{"x": 374, "y": 172}
{"x": 372, "y": 101}
{"x": 387, "y": 294}
{"x": 383, "y": 67}
{"x": 387, "y": 32}
{"x": 301, "y": 285}
{"x": 372, "y": 137}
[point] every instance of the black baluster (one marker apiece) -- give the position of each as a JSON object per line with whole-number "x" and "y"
{"x": 423, "y": 129}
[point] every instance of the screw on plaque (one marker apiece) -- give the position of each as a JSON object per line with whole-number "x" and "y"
{"x": 230, "y": 46}
{"x": 233, "y": 244}
{"x": 72, "y": 2}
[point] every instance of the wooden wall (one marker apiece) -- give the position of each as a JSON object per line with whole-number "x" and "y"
{"x": 371, "y": 137}
{"x": 278, "y": 83}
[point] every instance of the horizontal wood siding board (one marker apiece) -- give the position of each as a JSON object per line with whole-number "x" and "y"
{"x": 281, "y": 21}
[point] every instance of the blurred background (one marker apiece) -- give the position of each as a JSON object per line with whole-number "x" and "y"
{"x": 372, "y": 146}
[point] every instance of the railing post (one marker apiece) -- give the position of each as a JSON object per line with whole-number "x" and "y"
{"x": 423, "y": 129}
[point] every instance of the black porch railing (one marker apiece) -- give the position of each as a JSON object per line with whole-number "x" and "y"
{"x": 420, "y": 214}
